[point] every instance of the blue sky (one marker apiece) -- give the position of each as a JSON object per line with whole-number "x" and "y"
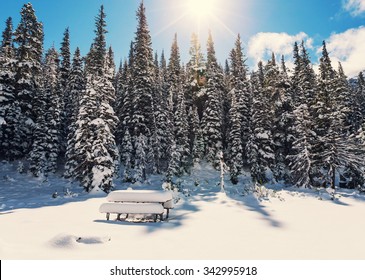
{"x": 264, "y": 25}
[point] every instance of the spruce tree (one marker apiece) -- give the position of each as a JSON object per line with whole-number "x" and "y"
{"x": 174, "y": 73}
{"x": 76, "y": 89}
{"x": 10, "y": 114}
{"x": 283, "y": 130}
{"x": 241, "y": 93}
{"x": 46, "y": 146}
{"x": 95, "y": 145}
{"x": 259, "y": 148}
{"x": 212, "y": 116}
{"x": 28, "y": 38}
{"x": 194, "y": 87}
{"x": 235, "y": 147}
{"x": 64, "y": 73}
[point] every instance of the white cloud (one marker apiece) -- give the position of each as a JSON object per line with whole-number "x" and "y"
{"x": 355, "y": 7}
{"x": 261, "y": 45}
{"x": 348, "y": 47}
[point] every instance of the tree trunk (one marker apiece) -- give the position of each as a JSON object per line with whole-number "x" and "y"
{"x": 333, "y": 169}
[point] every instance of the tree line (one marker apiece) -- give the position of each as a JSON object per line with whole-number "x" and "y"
{"x": 158, "y": 116}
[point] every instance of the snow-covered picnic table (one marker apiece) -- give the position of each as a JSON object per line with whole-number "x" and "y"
{"x": 138, "y": 202}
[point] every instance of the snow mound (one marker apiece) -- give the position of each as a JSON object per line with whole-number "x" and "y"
{"x": 67, "y": 241}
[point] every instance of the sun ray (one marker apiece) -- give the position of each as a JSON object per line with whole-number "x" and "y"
{"x": 216, "y": 18}
{"x": 169, "y": 25}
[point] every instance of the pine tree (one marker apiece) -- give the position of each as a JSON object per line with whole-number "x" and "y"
{"x": 29, "y": 40}
{"x": 76, "y": 89}
{"x": 10, "y": 114}
{"x": 322, "y": 111}
{"x": 283, "y": 129}
{"x": 194, "y": 87}
{"x": 95, "y": 146}
{"x": 241, "y": 93}
{"x": 301, "y": 159}
{"x": 163, "y": 117}
{"x": 181, "y": 137}
{"x": 357, "y": 104}
{"x": 125, "y": 101}
{"x": 142, "y": 118}
{"x": 96, "y": 151}
{"x": 235, "y": 143}
{"x": 212, "y": 116}
{"x": 46, "y": 146}
{"x": 174, "y": 73}
{"x": 64, "y": 73}
{"x": 96, "y": 57}
{"x": 259, "y": 148}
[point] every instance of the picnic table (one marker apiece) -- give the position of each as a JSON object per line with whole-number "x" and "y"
{"x": 127, "y": 202}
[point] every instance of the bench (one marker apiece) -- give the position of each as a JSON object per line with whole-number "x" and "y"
{"x": 138, "y": 202}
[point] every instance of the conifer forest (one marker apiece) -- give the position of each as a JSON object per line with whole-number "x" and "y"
{"x": 96, "y": 122}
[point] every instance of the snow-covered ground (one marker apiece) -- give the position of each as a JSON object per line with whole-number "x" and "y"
{"x": 205, "y": 224}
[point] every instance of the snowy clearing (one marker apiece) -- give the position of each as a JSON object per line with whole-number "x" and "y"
{"x": 205, "y": 224}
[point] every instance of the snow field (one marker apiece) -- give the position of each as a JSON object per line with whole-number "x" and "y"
{"x": 205, "y": 223}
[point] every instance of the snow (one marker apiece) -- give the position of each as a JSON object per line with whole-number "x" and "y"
{"x": 131, "y": 208}
{"x": 2, "y": 120}
{"x": 139, "y": 196}
{"x": 205, "y": 224}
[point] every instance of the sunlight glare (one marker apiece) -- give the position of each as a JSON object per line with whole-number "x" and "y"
{"x": 201, "y": 8}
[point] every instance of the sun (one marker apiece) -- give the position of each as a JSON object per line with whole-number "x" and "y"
{"x": 201, "y": 9}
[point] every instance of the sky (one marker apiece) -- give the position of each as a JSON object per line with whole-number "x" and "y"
{"x": 265, "y": 26}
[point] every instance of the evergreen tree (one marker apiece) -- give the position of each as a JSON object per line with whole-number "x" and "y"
{"x": 195, "y": 82}
{"x": 10, "y": 114}
{"x": 95, "y": 145}
{"x": 283, "y": 130}
{"x": 29, "y": 40}
{"x": 96, "y": 57}
{"x": 212, "y": 116}
{"x": 142, "y": 119}
{"x": 301, "y": 159}
{"x": 235, "y": 143}
{"x": 46, "y": 146}
{"x": 241, "y": 93}
{"x": 66, "y": 105}
{"x": 181, "y": 137}
{"x": 323, "y": 118}
{"x": 125, "y": 102}
{"x": 259, "y": 148}
{"x": 174, "y": 73}
{"x": 76, "y": 89}
{"x": 163, "y": 134}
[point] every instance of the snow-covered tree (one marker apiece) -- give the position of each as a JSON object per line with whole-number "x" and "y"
{"x": 282, "y": 130}
{"x": 76, "y": 89}
{"x": 301, "y": 158}
{"x": 174, "y": 74}
{"x": 194, "y": 87}
{"x": 259, "y": 148}
{"x": 10, "y": 114}
{"x": 212, "y": 116}
{"x": 46, "y": 146}
{"x": 64, "y": 74}
{"x": 143, "y": 78}
{"x": 95, "y": 145}
{"x": 28, "y": 38}
{"x": 235, "y": 148}
{"x": 241, "y": 91}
